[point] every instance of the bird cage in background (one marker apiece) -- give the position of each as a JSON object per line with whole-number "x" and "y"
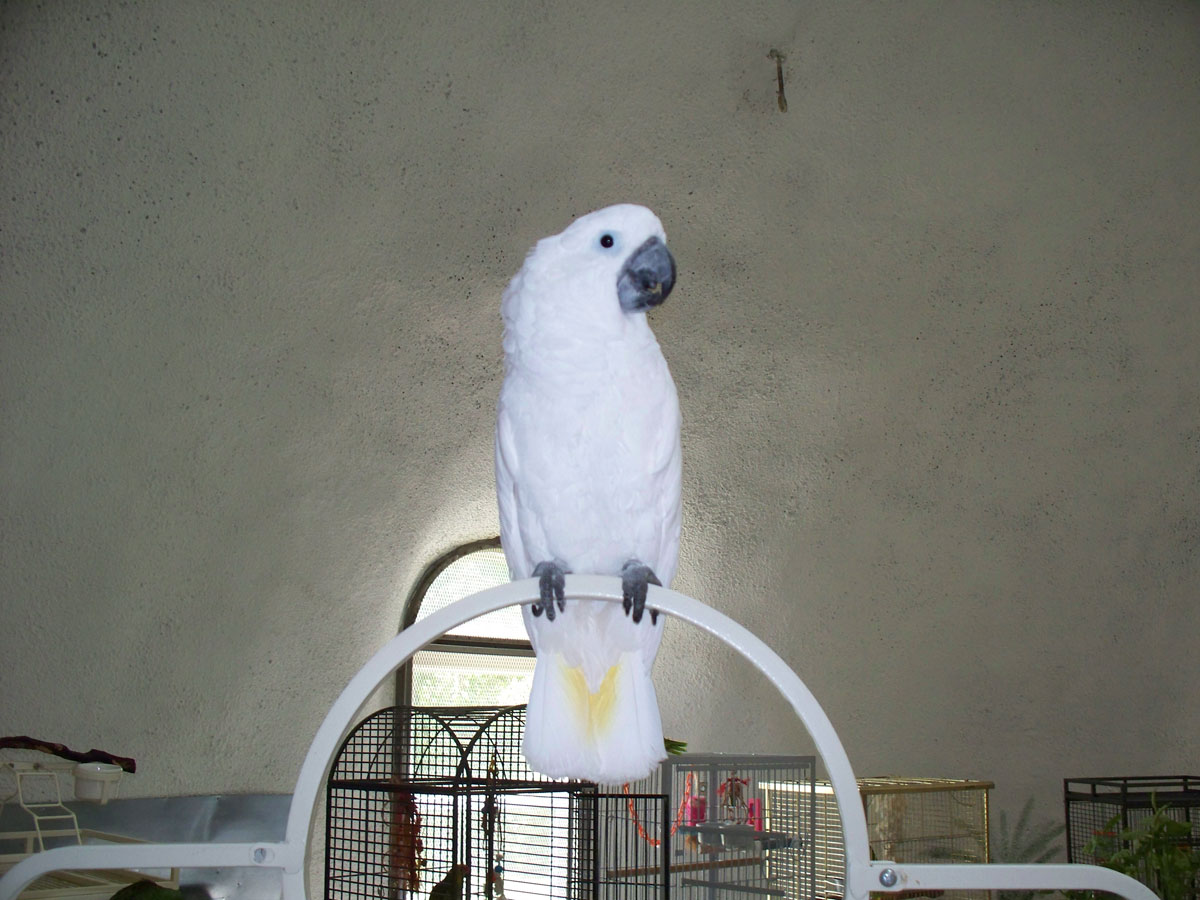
{"x": 1104, "y": 808}
{"x": 741, "y": 825}
{"x": 909, "y": 820}
{"x": 417, "y": 791}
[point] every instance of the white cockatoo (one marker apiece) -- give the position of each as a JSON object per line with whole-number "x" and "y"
{"x": 588, "y": 481}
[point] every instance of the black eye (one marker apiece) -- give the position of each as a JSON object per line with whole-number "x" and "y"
{"x": 606, "y": 240}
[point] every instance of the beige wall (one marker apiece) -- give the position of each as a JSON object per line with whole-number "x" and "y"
{"x": 935, "y": 336}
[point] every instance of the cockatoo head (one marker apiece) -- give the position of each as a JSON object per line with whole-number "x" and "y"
{"x": 595, "y": 279}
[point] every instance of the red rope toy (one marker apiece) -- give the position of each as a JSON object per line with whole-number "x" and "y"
{"x": 653, "y": 841}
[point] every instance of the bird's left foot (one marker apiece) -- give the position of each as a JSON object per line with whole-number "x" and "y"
{"x": 635, "y": 578}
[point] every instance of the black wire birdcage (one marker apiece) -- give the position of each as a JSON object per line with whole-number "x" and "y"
{"x": 419, "y": 794}
{"x": 1103, "y": 813}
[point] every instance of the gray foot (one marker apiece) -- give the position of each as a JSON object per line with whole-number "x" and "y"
{"x": 551, "y": 580}
{"x": 635, "y": 576}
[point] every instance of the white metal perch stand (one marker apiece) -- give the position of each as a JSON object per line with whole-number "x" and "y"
{"x": 863, "y": 874}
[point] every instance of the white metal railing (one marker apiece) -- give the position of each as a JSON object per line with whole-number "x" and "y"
{"x": 863, "y": 874}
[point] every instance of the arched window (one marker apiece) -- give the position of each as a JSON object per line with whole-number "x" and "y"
{"x": 486, "y": 662}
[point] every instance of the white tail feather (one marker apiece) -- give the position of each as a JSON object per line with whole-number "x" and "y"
{"x": 611, "y": 735}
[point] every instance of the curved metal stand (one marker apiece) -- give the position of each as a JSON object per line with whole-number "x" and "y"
{"x": 863, "y": 874}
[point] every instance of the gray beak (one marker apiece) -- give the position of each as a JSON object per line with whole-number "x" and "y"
{"x": 647, "y": 277}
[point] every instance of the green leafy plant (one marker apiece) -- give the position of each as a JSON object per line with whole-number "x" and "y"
{"x": 1023, "y": 842}
{"x": 1157, "y": 851}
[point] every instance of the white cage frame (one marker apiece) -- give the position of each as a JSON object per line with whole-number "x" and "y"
{"x": 288, "y": 856}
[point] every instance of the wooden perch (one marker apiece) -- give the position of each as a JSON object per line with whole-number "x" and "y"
{"x": 21, "y": 742}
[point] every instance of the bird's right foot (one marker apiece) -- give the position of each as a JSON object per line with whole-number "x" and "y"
{"x": 551, "y": 581}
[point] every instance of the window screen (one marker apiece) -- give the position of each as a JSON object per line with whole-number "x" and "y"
{"x": 499, "y": 674}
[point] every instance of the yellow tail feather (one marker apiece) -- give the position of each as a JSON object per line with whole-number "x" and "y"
{"x": 595, "y": 710}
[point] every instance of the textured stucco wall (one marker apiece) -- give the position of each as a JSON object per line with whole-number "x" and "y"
{"x": 935, "y": 336}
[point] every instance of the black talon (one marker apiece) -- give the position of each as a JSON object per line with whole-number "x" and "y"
{"x": 551, "y": 581}
{"x": 635, "y": 577}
